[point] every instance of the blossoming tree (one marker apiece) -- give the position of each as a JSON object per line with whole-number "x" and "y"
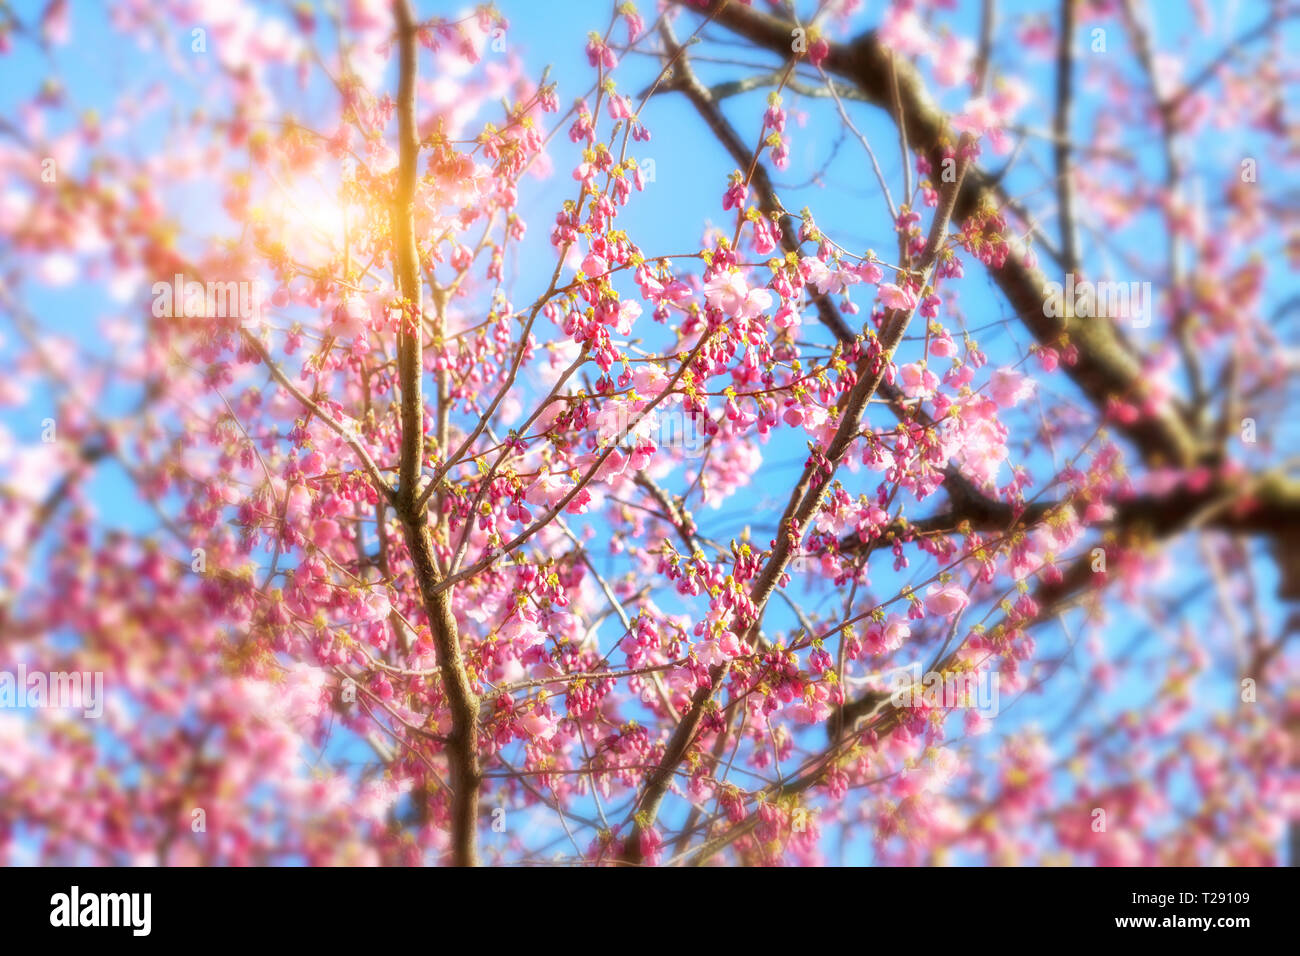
{"x": 433, "y": 464}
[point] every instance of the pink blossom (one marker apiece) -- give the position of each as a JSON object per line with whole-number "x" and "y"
{"x": 351, "y": 317}
{"x": 917, "y": 380}
{"x": 628, "y": 311}
{"x": 953, "y": 60}
{"x": 324, "y": 531}
{"x": 888, "y": 637}
{"x": 825, "y": 279}
{"x": 730, "y": 293}
{"x": 1009, "y": 387}
{"x": 870, "y": 272}
{"x": 378, "y": 607}
{"x": 942, "y": 346}
{"x": 945, "y": 600}
{"x": 720, "y": 649}
{"x": 539, "y": 724}
{"x": 903, "y": 30}
{"x": 894, "y": 297}
{"x": 522, "y": 631}
{"x": 549, "y": 490}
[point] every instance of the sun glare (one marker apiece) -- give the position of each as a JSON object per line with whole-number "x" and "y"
{"x": 310, "y": 218}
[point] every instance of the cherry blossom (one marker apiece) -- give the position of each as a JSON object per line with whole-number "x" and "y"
{"x": 563, "y": 470}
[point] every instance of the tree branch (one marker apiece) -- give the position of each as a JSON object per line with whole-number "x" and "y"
{"x": 1108, "y": 367}
{"x": 462, "y": 742}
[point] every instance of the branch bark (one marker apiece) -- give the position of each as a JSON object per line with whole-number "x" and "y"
{"x": 462, "y": 741}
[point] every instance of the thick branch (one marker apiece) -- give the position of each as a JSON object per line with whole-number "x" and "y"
{"x": 462, "y": 742}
